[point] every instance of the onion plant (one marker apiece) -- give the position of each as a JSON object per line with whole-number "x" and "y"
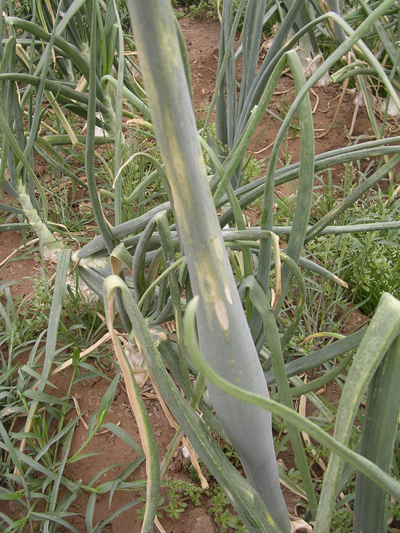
{"x": 382, "y": 39}
{"x": 175, "y": 257}
{"x": 48, "y": 57}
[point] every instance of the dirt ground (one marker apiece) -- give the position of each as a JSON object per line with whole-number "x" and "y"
{"x": 202, "y": 37}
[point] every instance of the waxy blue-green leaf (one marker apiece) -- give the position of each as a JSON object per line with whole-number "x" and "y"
{"x": 378, "y": 441}
{"x": 378, "y": 338}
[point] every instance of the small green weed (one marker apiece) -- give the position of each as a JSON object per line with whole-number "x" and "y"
{"x": 222, "y": 515}
{"x": 180, "y": 492}
{"x": 188, "y": 489}
{"x": 141, "y": 510}
{"x": 175, "y": 504}
{"x": 342, "y": 520}
{"x": 283, "y": 107}
{"x": 196, "y": 8}
{"x": 20, "y": 320}
{"x": 368, "y": 262}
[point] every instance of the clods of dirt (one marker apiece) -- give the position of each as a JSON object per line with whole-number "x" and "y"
{"x": 17, "y": 268}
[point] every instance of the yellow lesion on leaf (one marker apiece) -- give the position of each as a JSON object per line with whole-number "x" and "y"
{"x": 220, "y": 309}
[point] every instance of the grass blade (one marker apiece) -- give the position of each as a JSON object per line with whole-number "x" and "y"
{"x": 52, "y": 333}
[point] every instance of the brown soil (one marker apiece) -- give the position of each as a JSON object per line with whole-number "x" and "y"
{"x": 16, "y": 268}
{"x": 202, "y": 37}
